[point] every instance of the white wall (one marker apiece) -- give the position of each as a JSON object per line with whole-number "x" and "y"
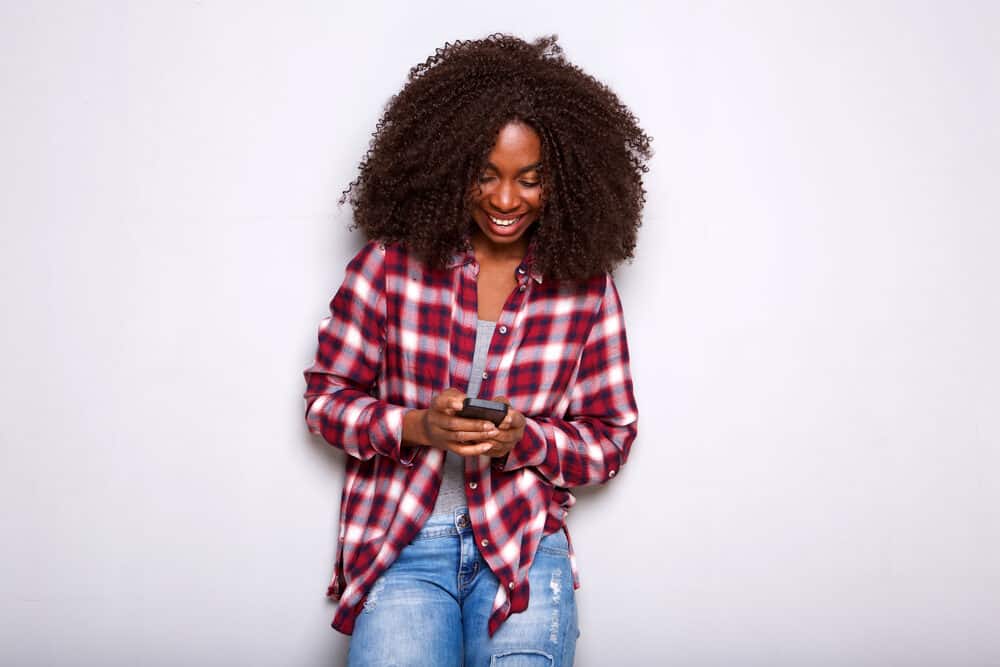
{"x": 813, "y": 318}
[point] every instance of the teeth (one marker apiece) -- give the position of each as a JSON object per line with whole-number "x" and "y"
{"x": 504, "y": 223}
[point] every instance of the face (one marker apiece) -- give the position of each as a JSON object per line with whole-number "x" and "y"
{"x": 508, "y": 199}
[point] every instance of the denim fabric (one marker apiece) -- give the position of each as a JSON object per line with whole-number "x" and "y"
{"x": 432, "y": 605}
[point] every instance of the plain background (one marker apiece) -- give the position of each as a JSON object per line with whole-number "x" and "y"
{"x": 812, "y": 312}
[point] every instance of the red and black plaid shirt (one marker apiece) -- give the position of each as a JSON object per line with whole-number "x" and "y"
{"x": 398, "y": 334}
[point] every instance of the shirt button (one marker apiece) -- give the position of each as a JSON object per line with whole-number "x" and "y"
{"x": 521, "y": 270}
{"x": 503, "y": 329}
{"x": 472, "y": 485}
{"x": 522, "y": 288}
{"x": 611, "y": 474}
{"x": 510, "y": 585}
{"x": 485, "y": 543}
{"x": 485, "y": 375}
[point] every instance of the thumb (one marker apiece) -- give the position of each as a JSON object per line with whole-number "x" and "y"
{"x": 449, "y": 400}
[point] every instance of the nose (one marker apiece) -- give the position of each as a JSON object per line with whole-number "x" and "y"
{"x": 504, "y": 198}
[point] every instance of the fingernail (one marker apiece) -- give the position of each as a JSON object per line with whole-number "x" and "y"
{"x": 487, "y": 426}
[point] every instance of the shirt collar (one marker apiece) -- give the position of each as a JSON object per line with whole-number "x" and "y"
{"x": 466, "y": 254}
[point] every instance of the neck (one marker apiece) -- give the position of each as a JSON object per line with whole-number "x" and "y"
{"x": 497, "y": 252}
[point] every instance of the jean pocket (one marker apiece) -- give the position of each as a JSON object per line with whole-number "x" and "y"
{"x": 555, "y": 544}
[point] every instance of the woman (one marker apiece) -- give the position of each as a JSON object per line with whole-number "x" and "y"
{"x": 501, "y": 187}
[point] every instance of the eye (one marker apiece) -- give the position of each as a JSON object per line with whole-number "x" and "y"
{"x": 531, "y": 184}
{"x": 483, "y": 178}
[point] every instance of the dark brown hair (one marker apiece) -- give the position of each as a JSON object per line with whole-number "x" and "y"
{"x": 435, "y": 135}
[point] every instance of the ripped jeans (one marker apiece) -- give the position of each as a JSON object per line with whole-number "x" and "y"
{"x": 432, "y": 604}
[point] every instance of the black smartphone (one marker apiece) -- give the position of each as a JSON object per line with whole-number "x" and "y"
{"x": 478, "y": 408}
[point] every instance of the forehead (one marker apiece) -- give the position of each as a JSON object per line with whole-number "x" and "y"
{"x": 517, "y": 145}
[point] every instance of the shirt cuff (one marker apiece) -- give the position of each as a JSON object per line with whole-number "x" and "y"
{"x": 530, "y": 451}
{"x": 393, "y": 446}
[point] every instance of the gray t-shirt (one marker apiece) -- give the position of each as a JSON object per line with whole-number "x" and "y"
{"x": 452, "y": 493}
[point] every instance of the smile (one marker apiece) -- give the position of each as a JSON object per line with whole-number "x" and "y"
{"x": 505, "y": 222}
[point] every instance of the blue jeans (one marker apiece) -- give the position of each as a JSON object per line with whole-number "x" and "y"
{"x": 431, "y": 606}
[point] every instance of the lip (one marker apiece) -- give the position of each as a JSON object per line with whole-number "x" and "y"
{"x": 512, "y": 229}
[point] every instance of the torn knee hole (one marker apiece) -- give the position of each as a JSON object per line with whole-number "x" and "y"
{"x": 525, "y": 658}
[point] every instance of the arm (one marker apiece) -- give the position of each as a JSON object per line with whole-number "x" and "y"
{"x": 591, "y": 443}
{"x": 339, "y": 406}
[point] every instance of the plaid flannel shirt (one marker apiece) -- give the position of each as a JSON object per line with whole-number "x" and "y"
{"x": 398, "y": 334}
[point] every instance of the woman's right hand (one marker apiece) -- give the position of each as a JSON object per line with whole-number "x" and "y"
{"x": 439, "y": 427}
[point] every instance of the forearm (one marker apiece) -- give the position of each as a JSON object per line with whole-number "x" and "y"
{"x": 590, "y": 441}
{"x": 577, "y": 452}
{"x": 360, "y": 425}
{"x": 415, "y": 428}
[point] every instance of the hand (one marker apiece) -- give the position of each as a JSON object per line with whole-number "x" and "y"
{"x": 511, "y": 430}
{"x": 439, "y": 427}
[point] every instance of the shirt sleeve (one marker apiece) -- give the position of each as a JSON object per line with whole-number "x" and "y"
{"x": 340, "y": 405}
{"x": 591, "y": 443}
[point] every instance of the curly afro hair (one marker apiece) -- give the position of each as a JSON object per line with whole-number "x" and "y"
{"x": 435, "y": 135}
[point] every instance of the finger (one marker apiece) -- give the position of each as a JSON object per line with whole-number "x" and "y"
{"x": 502, "y": 399}
{"x": 477, "y": 449}
{"x": 463, "y": 424}
{"x": 513, "y": 420}
{"x": 466, "y": 437}
{"x": 448, "y": 401}
{"x": 454, "y": 397}
{"x": 439, "y": 402}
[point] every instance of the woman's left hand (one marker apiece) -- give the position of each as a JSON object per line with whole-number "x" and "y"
{"x": 511, "y": 431}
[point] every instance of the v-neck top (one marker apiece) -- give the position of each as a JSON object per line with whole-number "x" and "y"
{"x": 451, "y": 496}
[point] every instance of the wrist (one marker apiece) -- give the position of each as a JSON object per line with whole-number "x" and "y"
{"x": 415, "y": 427}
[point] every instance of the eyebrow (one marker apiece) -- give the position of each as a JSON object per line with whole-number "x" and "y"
{"x": 531, "y": 167}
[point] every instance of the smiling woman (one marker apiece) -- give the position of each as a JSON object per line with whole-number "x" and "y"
{"x": 436, "y": 134}
{"x": 507, "y": 196}
{"x": 505, "y": 202}
{"x": 502, "y": 186}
